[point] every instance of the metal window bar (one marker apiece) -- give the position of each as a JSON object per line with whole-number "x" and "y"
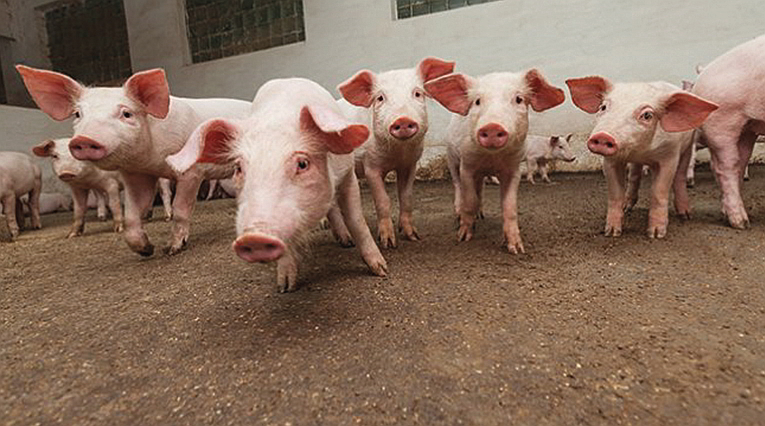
{"x": 410, "y": 8}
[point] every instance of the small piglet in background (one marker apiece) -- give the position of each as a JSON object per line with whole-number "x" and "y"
{"x": 293, "y": 160}
{"x": 19, "y": 176}
{"x": 392, "y": 104}
{"x": 488, "y": 135}
{"x": 541, "y": 151}
{"x": 641, "y": 124}
{"x": 82, "y": 177}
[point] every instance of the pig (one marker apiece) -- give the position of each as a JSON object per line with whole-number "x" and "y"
{"x": 542, "y": 150}
{"x": 393, "y": 105}
{"x": 293, "y": 161}
{"x": 50, "y": 203}
{"x": 132, "y": 129}
{"x": 82, "y": 177}
{"x": 164, "y": 186}
{"x": 488, "y": 135}
{"x": 221, "y": 188}
{"x": 19, "y": 176}
{"x": 734, "y": 81}
{"x": 640, "y": 124}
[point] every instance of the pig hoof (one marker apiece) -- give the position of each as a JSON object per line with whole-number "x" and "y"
{"x": 465, "y": 233}
{"x": 324, "y": 224}
{"x": 685, "y": 216}
{"x": 629, "y": 205}
{"x": 345, "y": 242}
{"x": 613, "y": 231}
{"x": 658, "y": 232}
{"x": 690, "y": 183}
{"x": 410, "y": 233}
{"x": 480, "y": 215}
{"x": 168, "y": 218}
{"x": 739, "y": 223}
{"x": 147, "y": 251}
{"x": 379, "y": 267}
{"x": 73, "y": 234}
{"x": 118, "y": 227}
{"x": 102, "y": 218}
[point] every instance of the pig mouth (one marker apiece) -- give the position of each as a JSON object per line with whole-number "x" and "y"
{"x": 67, "y": 176}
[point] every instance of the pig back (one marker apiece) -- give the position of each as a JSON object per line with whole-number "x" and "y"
{"x": 18, "y": 173}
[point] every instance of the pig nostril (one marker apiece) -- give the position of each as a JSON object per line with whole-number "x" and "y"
{"x": 484, "y": 135}
{"x": 609, "y": 144}
{"x": 500, "y": 134}
{"x": 246, "y": 249}
{"x": 94, "y": 147}
{"x": 271, "y": 246}
{"x": 411, "y": 126}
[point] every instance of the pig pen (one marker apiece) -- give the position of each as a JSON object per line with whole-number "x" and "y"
{"x": 582, "y": 329}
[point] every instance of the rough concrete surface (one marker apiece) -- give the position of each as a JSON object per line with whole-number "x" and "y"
{"x": 582, "y": 329}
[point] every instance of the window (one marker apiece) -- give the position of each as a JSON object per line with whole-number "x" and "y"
{"x": 88, "y": 40}
{"x": 410, "y": 8}
{"x": 222, "y": 28}
{"x": 3, "y": 98}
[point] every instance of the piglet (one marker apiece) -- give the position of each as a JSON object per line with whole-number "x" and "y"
{"x": 392, "y": 103}
{"x": 641, "y": 124}
{"x": 541, "y": 151}
{"x": 19, "y": 176}
{"x": 488, "y": 137}
{"x": 293, "y": 160}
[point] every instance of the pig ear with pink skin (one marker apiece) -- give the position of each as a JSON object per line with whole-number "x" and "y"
{"x": 588, "y": 92}
{"x": 432, "y": 68}
{"x": 53, "y": 92}
{"x": 554, "y": 140}
{"x": 336, "y": 133}
{"x": 210, "y": 143}
{"x": 151, "y": 90}
{"x": 684, "y": 111}
{"x": 543, "y": 95}
{"x": 359, "y": 89}
{"x": 44, "y": 149}
{"x": 451, "y": 91}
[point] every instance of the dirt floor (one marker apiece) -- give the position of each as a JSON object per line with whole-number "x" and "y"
{"x": 582, "y": 329}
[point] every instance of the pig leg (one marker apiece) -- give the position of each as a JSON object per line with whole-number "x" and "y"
{"x": 286, "y": 271}
{"x": 746, "y": 173}
{"x": 531, "y": 169}
{"x": 723, "y": 138}
{"x": 34, "y": 203}
{"x": 658, "y": 215}
{"x": 634, "y": 175}
{"x": 337, "y": 225}
{"x": 405, "y": 182}
{"x": 509, "y": 183}
{"x": 113, "y": 198}
{"x": 615, "y": 175}
{"x": 211, "y": 191}
{"x": 80, "y": 199}
{"x": 682, "y": 202}
{"x": 166, "y": 194}
{"x": 745, "y": 148}
{"x": 690, "y": 180}
{"x": 454, "y": 172}
{"x": 469, "y": 207}
{"x": 9, "y": 209}
{"x": 349, "y": 203}
{"x": 186, "y": 190}
{"x": 139, "y": 194}
{"x": 479, "y": 185}
{"x": 20, "y": 216}
{"x": 382, "y": 204}
{"x": 100, "y": 205}
{"x": 543, "y": 172}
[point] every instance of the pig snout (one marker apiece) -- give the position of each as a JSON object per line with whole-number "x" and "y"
{"x": 404, "y": 128}
{"x": 602, "y": 143}
{"x": 259, "y": 247}
{"x": 84, "y": 148}
{"x": 492, "y": 135}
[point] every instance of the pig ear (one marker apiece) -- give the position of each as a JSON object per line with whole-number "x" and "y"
{"x": 359, "y": 89}
{"x": 339, "y": 135}
{"x": 44, "y": 149}
{"x": 451, "y": 91}
{"x": 684, "y": 111}
{"x": 699, "y": 69}
{"x": 210, "y": 143}
{"x": 543, "y": 95}
{"x": 554, "y": 140}
{"x": 431, "y": 68}
{"x": 687, "y": 85}
{"x": 151, "y": 90}
{"x": 569, "y": 136}
{"x": 53, "y": 92}
{"x": 588, "y": 92}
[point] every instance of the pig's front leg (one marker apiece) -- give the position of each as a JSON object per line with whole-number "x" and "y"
{"x": 139, "y": 194}
{"x": 509, "y": 192}
{"x": 382, "y": 205}
{"x": 286, "y": 272}
{"x": 9, "y": 209}
{"x": 166, "y": 193}
{"x": 349, "y": 203}
{"x": 634, "y": 175}
{"x": 80, "y": 200}
{"x": 186, "y": 190}
{"x": 405, "y": 182}
{"x": 531, "y": 169}
{"x": 113, "y": 198}
{"x": 615, "y": 176}
{"x": 337, "y": 225}
{"x": 682, "y": 202}
{"x": 454, "y": 171}
{"x": 469, "y": 207}
{"x": 658, "y": 215}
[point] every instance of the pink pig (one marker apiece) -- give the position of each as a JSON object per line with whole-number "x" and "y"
{"x": 641, "y": 124}
{"x": 82, "y": 176}
{"x": 488, "y": 138}
{"x": 393, "y": 105}
{"x": 19, "y": 176}
{"x": 293, "y": 161}
{"x": 734, "y": 81}
{"x": 543, "y": 150}
{"x": 133, "y": 129}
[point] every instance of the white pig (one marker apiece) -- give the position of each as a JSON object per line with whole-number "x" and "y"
{"x": 392, "y": 103}
{"x": 133, "y": 129}
{"x": 543, "y": 150}
{"x": 19, "y": 176}
{"x": 82, "y": 177}
{"x": 488, "y": 138}
{"x": 293, "y": 160}
{"x": 641, "y": 124}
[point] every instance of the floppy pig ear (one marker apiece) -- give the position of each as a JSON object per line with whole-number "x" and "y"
{"x": 451, "y": 91}
{"x": 431, "y": 68}
{"x": 44, "y": 149}
{"x": 358, "y": 90}
{"x": 543, "y": 95}
{"x": 209, "y": 143}
{"x": 151, "y": 90}
{"x": 588, "y": 92}
{"x": 53, "y": 92}
{"x": 684, "y": 111}
{"x": 337, "y": 133}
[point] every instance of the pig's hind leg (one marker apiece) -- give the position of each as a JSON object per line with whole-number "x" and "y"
{"x": 337, "y": 225}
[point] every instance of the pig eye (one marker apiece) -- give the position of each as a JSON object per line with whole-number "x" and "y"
{"x": 602, "y": 107}
{"x": 237, "y": 169}
{"x": 478, "y": 102}
{"x": 417, "y": 94}
{"x": 380, "y": 98}
{"x": 647, "y": 116}
{"x": 77, "y": 114}
{"x": 518, "y": 100}
{"x": 302, "y": 164}
{"x": 127, "y": 114}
